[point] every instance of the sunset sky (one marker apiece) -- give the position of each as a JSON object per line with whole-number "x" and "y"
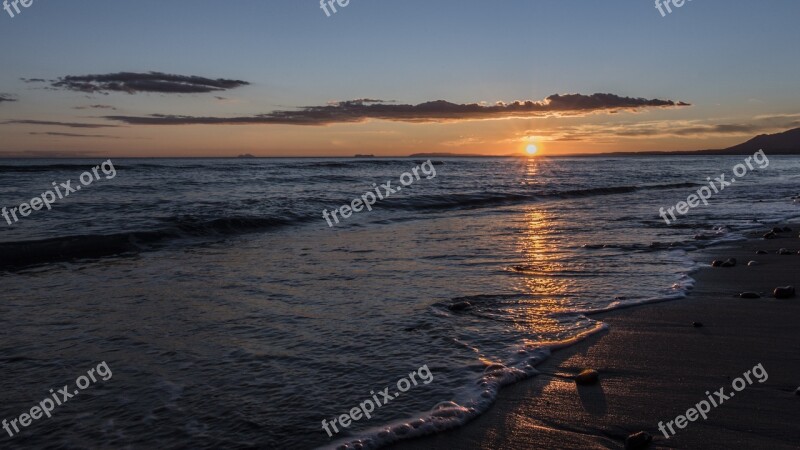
{"x": 280, "y": 78}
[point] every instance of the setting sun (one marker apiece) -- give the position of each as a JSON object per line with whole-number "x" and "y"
{"x": 531, "y": 149}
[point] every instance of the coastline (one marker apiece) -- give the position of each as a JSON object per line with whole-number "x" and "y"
{"x": 654, "y": 365}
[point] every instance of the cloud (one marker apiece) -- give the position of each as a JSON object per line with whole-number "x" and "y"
{"x": 463, "y": 141}
{"x": 58, "y": 124}
{"x": 96, "y": 107}
{"x": 53, "y": 133}
{"x": 369, "y": 100}
{"x": 7, "y": 98}
{"x": 133, "y": 83}
{"x": 355, "y": 111}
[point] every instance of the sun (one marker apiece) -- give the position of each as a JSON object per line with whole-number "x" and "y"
{"x": 531, "y": 149}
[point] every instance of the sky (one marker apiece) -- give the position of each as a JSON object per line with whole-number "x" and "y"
{"x": 393, "y": 77}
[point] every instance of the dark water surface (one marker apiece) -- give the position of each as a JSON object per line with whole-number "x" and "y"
{"x": 233, "y": 316}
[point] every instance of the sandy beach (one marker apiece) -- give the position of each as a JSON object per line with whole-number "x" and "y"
{"x": 655, "y": 364}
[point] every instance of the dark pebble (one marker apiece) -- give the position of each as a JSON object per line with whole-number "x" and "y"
{"x": 784, "y": 292}
{"x": 770, "y": 235}
{"x": 698, "y": 324}
{"x": 638, "y": 441}
{"x": 587, "y": 377}
{"x": 749, "y": 295}
{"x": 460, "y": 306}
{"x": 730, "y": 262}
{"x": 762, "y": 252}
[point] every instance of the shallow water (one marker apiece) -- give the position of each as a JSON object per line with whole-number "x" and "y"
{"x": 232, "y": 316}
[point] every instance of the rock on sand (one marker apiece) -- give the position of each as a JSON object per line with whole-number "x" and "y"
{"x": 784, "y": 292}
{"x": 587, "y": 377}
{"x": 638, "y": 441}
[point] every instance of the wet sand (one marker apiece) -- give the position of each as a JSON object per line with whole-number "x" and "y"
{"x": 655, "y": 364}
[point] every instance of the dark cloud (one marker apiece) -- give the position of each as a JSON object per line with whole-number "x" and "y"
{"x": 96, "y": 107}
{"x": 7, "y": 98}
{"x": 58, "y": 124}
{"x": 34, "y": 80}
{"x": 371, "y": 100}
{"x": 569, "y": 139}
{"x": 53, "y": 133}
{"x": 436, "y": 111}
{"x": 720, "y": 129}
{"x": 678, "y": 129}
{"x": 132, "y": 83}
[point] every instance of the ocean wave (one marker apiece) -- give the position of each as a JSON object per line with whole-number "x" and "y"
{"x": 474, "y": 200}
{"x": 17, "y": 255}
{"x": 481, "y": 394}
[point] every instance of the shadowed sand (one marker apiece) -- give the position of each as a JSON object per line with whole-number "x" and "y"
{"x": 654, "y": 365}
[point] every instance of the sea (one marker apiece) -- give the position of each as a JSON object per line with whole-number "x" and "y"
{"x": 232, "y": 315}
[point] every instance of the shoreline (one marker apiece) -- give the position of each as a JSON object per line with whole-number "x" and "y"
{"x": 655, "y": 364}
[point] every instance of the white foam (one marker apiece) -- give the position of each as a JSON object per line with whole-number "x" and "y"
{"x": 450, "y": 414}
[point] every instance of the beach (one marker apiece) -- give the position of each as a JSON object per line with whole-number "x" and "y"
{"x": 301, "y": 321}
{"x": 655, "y": 364}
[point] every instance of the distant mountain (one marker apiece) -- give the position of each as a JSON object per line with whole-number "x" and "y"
{"x": 786, "y": 143}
